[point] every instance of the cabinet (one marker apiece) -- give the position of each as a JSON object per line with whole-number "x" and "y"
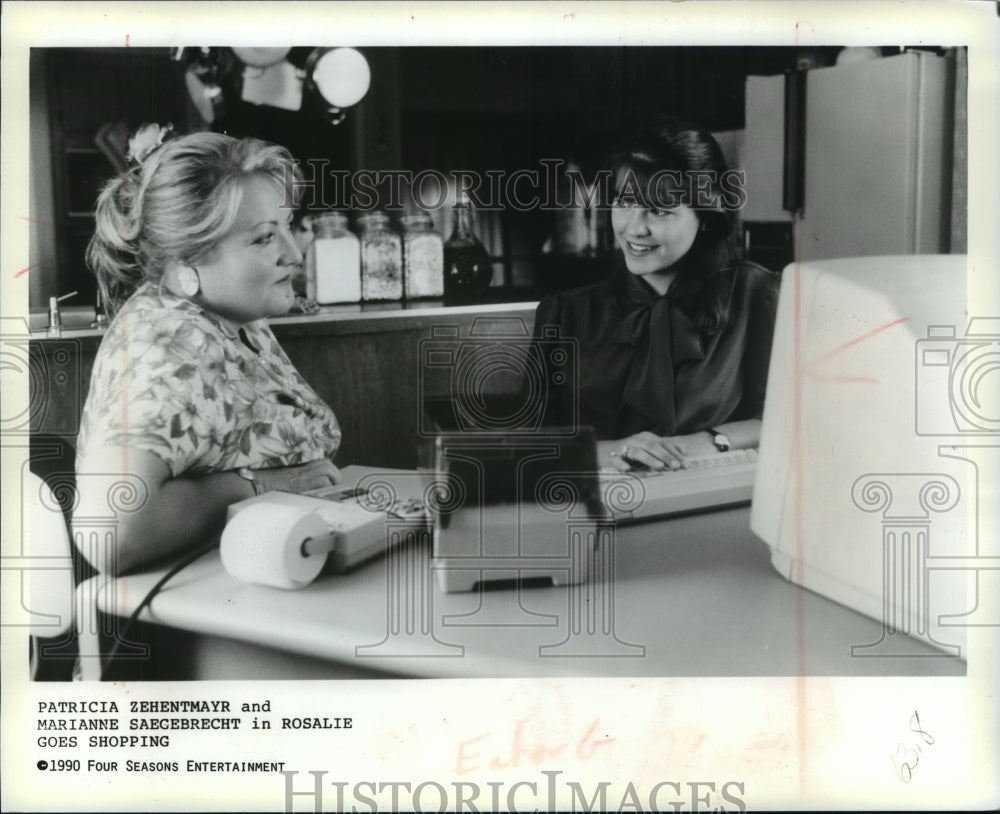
{"x": 366, "y": 365}
{"x": 878, "y": 156}
{"x": 81, "y": 91}
{"x": 77, "y": 91}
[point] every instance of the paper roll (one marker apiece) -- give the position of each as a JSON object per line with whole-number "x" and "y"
{"x": 263, "y": 544}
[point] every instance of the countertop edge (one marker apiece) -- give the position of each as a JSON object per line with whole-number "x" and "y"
{"x": 351, "y": 319}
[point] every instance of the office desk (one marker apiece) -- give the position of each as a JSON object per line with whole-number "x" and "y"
{"x": 690, "y": 596}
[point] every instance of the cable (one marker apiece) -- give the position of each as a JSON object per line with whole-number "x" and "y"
{"x": 133, "y": 618}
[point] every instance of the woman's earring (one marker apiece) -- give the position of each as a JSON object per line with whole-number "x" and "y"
{"x": 187, "y": 279}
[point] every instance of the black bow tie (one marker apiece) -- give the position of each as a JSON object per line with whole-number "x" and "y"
{"x": 663, "y": 336}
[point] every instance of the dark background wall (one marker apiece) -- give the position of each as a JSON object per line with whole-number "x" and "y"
{"x": 428, "y": 108}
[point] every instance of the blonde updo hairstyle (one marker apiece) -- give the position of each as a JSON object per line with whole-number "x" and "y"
{"x": 176, "y": 206}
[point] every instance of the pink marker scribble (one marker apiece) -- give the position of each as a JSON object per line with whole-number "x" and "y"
{"x": 862, "y": 338}
{"x": 848, "y": 379}
{"x": 26, "y": 219}
{"x": 798, "y": 23}
{"x": 815, "y": 363}
{"x": 23, "y": 271}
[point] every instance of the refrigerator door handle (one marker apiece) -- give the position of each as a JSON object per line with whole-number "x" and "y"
{"x": 794, "y": 180}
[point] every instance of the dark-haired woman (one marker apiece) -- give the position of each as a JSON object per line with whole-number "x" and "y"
{"x": 191, "y": 393}
{"x": 673, "y": 348}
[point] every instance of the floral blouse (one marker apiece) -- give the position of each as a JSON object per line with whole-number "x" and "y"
{"x": 174, "y": 379}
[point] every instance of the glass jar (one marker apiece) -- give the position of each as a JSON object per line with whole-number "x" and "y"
{"x": 423, "y": 257}
{"x": 572, "y": 232}
{"x": 381, "y": 258}
{"x": 303, "y": 233}
{"x": 333, "y": 268}
{"x": 468, "y": 270}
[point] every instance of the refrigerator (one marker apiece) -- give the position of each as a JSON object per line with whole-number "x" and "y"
{"x": 874, "y": 141}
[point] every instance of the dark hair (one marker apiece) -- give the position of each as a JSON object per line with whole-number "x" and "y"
{"x": 175, "y": 207}
{"x": 671, "y": 160}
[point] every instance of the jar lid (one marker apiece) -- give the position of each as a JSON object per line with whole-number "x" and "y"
{"x": 417, "y": 218}
{"x": 374, "y": 218}
{"x": 326, "y": 221}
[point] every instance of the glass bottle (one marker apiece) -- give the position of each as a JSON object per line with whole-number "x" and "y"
{"x": 423, "y": 257}
{"x": 468, "y": 270}
{"x": 571, "y": 219}
{"x": 304, "y": 234}
{"x": 333, "y": 269}
{"x": 381, "y": 258}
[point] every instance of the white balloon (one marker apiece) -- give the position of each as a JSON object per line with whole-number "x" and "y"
{"x": 261, "y": 57}
{"x": 850, "y": 55}
{"x": 342, "y": 75}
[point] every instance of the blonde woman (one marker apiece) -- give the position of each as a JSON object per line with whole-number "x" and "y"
{"x": 190, "y": 391}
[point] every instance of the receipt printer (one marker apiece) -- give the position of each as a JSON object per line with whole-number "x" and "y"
{"x": 265, "y": 536}
{"x": 515, "y": 507}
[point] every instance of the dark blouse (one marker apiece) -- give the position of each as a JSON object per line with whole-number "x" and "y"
{"x": 641, "y": 364}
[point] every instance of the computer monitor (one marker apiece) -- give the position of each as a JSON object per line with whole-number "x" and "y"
{"x": 881, "y": 403}
{"x": 515, "y": 502}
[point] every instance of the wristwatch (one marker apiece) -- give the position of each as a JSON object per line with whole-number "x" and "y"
{"x": 246, "y": 473}
{"x": 720, "y": 440}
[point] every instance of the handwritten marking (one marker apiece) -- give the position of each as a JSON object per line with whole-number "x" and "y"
{"x": 862, "y": 338}
{"x": 907, "y": 755}
{"x": 798, "y": 23}
{"x": 470, "y": 759}
{"x": 849, "y": 379}
{"x": 41, "y": 221}
{"x": 23, "y": 271}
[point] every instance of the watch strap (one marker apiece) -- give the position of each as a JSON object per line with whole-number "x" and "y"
{"x": 720, "y": 439}
{"x": 247, "y": 474}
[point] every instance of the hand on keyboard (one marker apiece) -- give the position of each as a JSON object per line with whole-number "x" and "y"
{"x": 717, "y": 460}
{"x": 709, "y": 481}
{"x": 646, "y": 451}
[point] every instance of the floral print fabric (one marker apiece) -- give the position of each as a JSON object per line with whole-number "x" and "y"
{"x": 174, "y": 379}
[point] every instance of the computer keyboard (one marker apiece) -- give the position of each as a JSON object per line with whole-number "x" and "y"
{"x": 722, "y": 479}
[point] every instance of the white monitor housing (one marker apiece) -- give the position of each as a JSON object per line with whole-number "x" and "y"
{"x": 876, "y": 447}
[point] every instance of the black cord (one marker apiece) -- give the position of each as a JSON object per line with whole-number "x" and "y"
{"x": 174, "y": 570}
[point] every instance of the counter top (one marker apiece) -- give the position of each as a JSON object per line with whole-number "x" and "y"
{"x": 349, "y": 318}
{"x": 368, "y": 362}
{"x": 691, "y": 595}
{"x": 371, "y": 317}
